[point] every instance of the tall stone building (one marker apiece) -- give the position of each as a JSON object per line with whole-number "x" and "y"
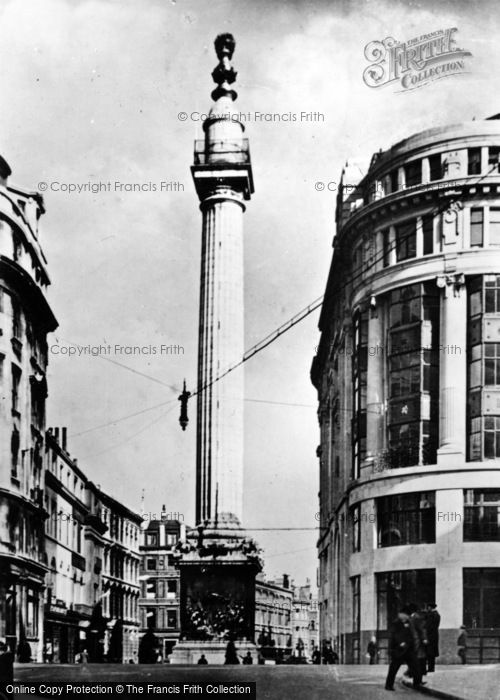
{"x": 159, "y": 603}
{"x": 92, "y": 547}
{"x": 408, "y": 380}
{"x": 25, "y": 320}
{"x": 120, "y": 578}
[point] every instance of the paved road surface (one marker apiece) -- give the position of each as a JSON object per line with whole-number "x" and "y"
{"x": 273, "y": 682}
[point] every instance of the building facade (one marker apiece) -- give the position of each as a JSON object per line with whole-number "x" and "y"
{"x": 92, "y": 548}
{"x": 304, "y": 621}
{"x": 66, "y": 609}
{"x": 159, "y": 603}
{"x": 273, "y": 611}
{"x": 26, "y": 319}
{"x": 120, "y": 578}
{"x": 408, "y": 379}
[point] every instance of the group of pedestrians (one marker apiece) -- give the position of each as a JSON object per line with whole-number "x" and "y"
{"x": 414, "y": 641}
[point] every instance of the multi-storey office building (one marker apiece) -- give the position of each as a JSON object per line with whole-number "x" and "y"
{"x": 408, "y": 380}
{"x": 67, "y": 609}
{"x": 25, "y": 320}
{"x": 120, "y": 578}
{"x": 273, "y": 611}
{"x": 304, "y": 620}
{"x": 92, "y": 586}
{"x": 159, "y": 604}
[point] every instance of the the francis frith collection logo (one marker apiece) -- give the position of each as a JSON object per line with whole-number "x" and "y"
{"x": 416, "y": 62}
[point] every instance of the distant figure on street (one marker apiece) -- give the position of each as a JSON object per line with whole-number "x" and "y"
{"x": 247, "y": 660}
{"x": 372, "y": 651}
{"x": 231, "y": 655}
{"x": 402, "y": 649}
{"x": 49, "y": 653}
{"x": 24, "y": 652}
{"x": 432, "y": 621}
{"x": 462, "y": 644}
{"x": 202, "y": 660}
{"x": 82, "y": 657}
{"x": 316, "y": 656}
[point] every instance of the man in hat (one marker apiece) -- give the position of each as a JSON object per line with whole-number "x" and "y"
{"x": 402, "y": 649}
{"x": 432, "y": 621}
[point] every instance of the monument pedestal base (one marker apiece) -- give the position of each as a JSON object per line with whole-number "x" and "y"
{"x": 189, "y": 652}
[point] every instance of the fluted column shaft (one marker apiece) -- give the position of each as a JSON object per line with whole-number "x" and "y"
{"x": 221, "y": 336}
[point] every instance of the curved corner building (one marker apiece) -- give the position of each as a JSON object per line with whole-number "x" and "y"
{"x": 25, "y": 320}
{"x": 408, "y": 380}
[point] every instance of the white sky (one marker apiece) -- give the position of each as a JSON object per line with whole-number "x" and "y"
{"x": 91, "y": 92}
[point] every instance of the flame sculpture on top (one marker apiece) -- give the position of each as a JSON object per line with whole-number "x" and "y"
{"x": 223, "y": 73}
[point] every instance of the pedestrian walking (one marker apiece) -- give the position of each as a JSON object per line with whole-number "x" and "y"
{"x": 432, "y": 622}
{"x": 417, "y": 622}
{"x": 202, "y": 661}
{"x": 231, "y": 655}
{"x": 402, "y": 649}
{"x": 372, "y": 651}
{"x": 316, "y": 656}
{"x": 247, "y": 660}
{"x": 462, "y": 644}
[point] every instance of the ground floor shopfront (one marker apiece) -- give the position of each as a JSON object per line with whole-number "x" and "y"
{"x": 21, "y": 606}
{"x": 415, "y": 540}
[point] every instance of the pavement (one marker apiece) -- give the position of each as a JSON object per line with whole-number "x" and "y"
{"x": 462, "y": 682}
{"x": 340, "y": 682}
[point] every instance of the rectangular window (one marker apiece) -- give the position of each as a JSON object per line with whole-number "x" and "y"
{"x": 151, "y": 539}
{"x": 481, "y": 597}
{"x": 386, "y": 250}
{"x": 171, "y": 539}
{"x": 413, "y": 173}
{"x": 413, "y": 375}
{"x": 395, "y": 589}
{"x": 494, "y": 235}
{"x": 151, "y": 618}
{"x": 356, "y": 617}
{"x": 171, "y": 619}
{"x": 151, "y": 588}
{"x": 493, "y": 159}
{"x": 408, "y": 518}
{"x": 482, "y": 515}
{"x": 359, "y": 381}
{"x": 16, "y": 380}
{"x": 356, "y": 528}
{"x": 406, "y": 240}
{"x": 483, "y": 369}
{"x": 151, "y": 564}
{"x": 171, "y": 588}
{"x": 492, "y": 364}
{"x": 476, "y": 227}
{"x": 428, "y": 234}
{"x": 473, "y": 161}
{"x": 394, "y": 181}
{"x": 491, "y": 296}
{"x": 436, "y": 168}
{"x": 16, "y": 320}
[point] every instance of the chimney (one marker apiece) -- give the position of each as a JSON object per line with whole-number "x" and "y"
{"x": 286, "y": 581}
{"x": 63, "y": 437}
{"x": 56, "y": 434}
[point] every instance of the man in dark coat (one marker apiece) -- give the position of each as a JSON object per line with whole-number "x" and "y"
{"x": 6, "y": 668}
{"x": 418, "y": 624}
{"x": 433, "y": 619}
{"x": 402, "y": 649}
